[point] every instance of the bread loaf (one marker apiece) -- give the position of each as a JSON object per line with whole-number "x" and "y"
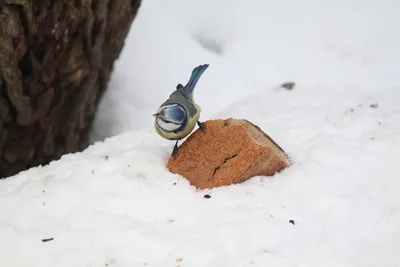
{"x": 230, "y": 151}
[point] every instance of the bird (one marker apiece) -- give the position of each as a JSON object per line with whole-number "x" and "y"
{"x": 178, "y": 115}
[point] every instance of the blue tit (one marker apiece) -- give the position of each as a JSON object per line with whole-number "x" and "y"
{"x": 179, "y": 114}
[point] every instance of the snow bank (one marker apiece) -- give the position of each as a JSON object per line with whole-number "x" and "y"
{"x": 250, "y": 46}
{"x": 116, "y": 204}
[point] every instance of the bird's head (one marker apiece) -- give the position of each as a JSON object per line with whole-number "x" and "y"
{"x": 170, "y": 117}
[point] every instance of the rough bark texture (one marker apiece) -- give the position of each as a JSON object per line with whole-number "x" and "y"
{"x": 56, "y": 58}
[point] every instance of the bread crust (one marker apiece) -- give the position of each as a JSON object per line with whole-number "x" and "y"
{"x": 229, "y": 152}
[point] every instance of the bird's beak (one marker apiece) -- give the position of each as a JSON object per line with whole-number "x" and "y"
{"x": 155, "y": 115}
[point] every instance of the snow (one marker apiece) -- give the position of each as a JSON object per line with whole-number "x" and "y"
{"x": 344, "y": 44}
{"x": 115, "y": 204}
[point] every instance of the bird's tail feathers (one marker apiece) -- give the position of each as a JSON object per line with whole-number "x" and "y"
{"x": 194, "y": 78}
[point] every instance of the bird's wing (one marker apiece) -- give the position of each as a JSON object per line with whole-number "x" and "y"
{"x": 178, "y": 97}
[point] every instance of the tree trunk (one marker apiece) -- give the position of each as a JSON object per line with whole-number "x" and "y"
{"x": 56, "y": 57}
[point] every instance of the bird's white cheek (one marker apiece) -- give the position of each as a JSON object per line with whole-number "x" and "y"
{"x": 169, "y": 127}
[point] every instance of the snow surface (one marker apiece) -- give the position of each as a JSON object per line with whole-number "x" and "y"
{"x": 343, "y": 44}
{"x": 115, "y": 204}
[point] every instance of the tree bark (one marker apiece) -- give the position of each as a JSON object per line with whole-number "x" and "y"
{"x": 56, "y": 57}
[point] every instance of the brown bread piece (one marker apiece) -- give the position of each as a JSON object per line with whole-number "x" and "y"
{"x": 230, "y": 151}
